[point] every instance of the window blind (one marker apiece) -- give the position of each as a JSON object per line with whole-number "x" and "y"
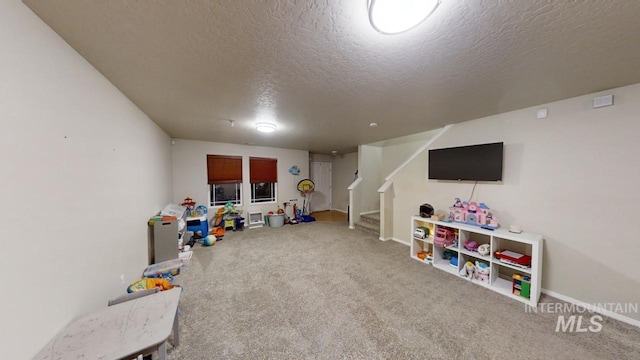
{"x": 263, "y": 170}
{"x": 224, "y": 169}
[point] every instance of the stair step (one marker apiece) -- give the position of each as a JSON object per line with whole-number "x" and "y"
{"x": 368, "y": 227}
{"x": 373, "y": 218}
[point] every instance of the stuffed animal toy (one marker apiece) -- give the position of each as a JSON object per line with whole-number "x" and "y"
{"x": 467, "y": 270}
{"x": 482, "y": 272}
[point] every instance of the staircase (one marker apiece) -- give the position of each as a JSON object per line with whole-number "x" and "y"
{"x": 369, "y": 223}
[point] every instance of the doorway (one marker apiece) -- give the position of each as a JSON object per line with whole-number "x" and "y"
{"x": 320, "y": 173}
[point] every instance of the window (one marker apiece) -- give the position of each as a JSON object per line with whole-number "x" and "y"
{"x": 263, "y": 192}
{"x": 224, "y": 193}
{"x": 224, "y": 175}
{"x": 263, "y": 178}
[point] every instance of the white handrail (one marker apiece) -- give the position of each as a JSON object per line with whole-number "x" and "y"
{"x": 355, "y": 183}
{"x": 385, "y": 186}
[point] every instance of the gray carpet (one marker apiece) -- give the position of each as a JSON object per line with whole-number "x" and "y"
{"x": 322, "y": 291}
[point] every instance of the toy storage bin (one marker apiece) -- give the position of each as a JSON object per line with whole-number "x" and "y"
{"x": 276, "y": 220}
{"x": 163, "y": 269}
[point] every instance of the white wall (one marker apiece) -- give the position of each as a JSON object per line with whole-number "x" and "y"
{"x": 320, "y": 158}
{"x": 397, "y": 150}
{"x": 572, "y": 177}
{"x": 344, "y": 168}
{"x": 370, "y": 169}
{"x": 394, "y": 155}
{"x": 189, "y": 160}
{"x": 82, "y": 171}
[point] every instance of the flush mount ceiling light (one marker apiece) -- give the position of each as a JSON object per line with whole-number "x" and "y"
{"x": 266, "y": 127}
{"x": 391, "y": 17}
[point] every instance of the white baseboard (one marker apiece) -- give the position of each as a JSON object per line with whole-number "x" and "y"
{"x": 340, "y": 210}
{"x": 400, "y": 241}
{"x": 591, "y": 307}
{"x": 370, "y": 212}
{"x": 384, "y": 238}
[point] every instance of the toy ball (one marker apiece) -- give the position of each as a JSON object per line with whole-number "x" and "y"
{"x": 209, "y": 240}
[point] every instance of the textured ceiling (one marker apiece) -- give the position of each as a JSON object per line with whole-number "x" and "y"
{"x": 321, "y": 73}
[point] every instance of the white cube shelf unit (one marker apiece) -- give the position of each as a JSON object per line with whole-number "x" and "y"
{"x": 501, "y": 273}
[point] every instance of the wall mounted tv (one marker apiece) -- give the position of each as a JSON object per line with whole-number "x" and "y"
{"x": 481, "y": 162}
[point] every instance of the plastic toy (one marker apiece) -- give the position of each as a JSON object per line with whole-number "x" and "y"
{"x": 150, "y": 283}
{"x": 473, "y": 214}
{"x": 163, "y": 269}
{"x": 467, "y": 270}
{"x": 521, "y": 285}
{"x": 190, "y": 205}
{"x": 424, "y": 255}
{"x": 306, "y": 188}
{"x": 471, "y": 245}
{"x": 444, "y": 237}
{"x": 421, "y": 232}
{"x": 484, "y": 249}
{"x": 454, "y": 261}
{"x": 482, "y": 271}
{"x": 447, "y": 255}
{"x": 229, "y": 215}
{"x": 209, "y": 240}
{"x": 514, "y": 258}
{"x": 294, "y": 170}
{"x": 201, "y": 210}
{"x": 294, "y": 220}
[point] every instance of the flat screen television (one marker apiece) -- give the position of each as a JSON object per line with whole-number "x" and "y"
{"x": 481, "y": 162}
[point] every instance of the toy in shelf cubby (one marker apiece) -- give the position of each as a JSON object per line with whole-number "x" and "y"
{"x": 521, "y": 285}
{"x": 487, "y": 260}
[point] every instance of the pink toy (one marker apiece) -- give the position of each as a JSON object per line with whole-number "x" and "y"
{"x": 481, "y": 272}
{"x": 473, "y": 214}
{"x": 444, "y": 237}
{"x": 471, "y": 245}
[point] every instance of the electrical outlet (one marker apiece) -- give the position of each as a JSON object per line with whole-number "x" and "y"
{"x": 122, "y": 279}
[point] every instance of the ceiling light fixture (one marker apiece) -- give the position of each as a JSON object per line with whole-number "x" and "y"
{"x": 373, "y": 124}
{"x": 392, "y": 17}
{"x": 266, "y": 127}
